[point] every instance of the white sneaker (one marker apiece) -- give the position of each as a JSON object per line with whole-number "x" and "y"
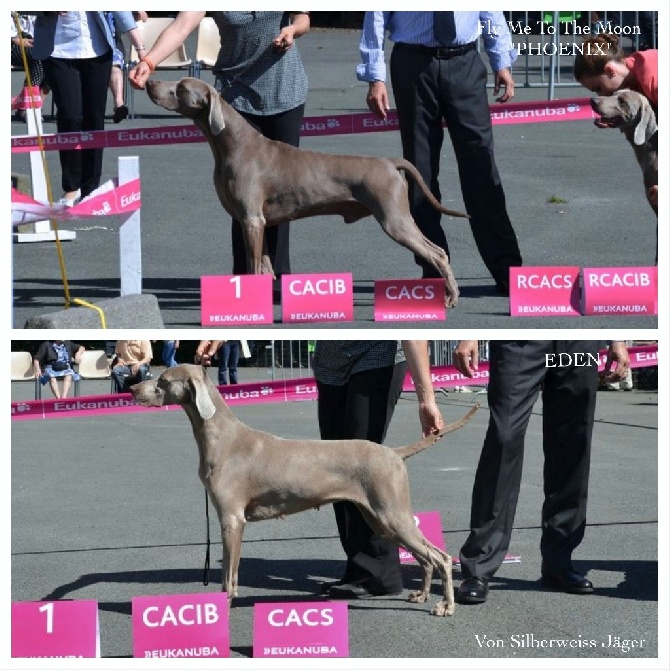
{"x": 463, "y": 389}
{"x": 70, "y": 202}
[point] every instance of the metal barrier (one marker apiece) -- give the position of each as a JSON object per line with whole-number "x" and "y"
{"x": 290, "y": 359}
{"x": 287, "y": 359}
{"x": 547, "y": 40}
{"x": 442, "y": 351}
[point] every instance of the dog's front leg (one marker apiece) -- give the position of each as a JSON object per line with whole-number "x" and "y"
{"x": 232, "y": 529}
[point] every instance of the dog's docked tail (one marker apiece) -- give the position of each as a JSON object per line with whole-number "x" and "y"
{"x": 430, "y": 440}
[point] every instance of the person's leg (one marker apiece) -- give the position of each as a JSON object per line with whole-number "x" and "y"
{"x": 233, "y": 360}
{"x": 67, "y": 381}
{"x": 116, "y": 86}
{"x": 465, "y": 106}
{"x": 119, "y": 375}
{"x": 363, "y": 409}
{"x": 95, "y": 74}
{"x": 53, "y": 385}
{"x": 569, "y": 398}
{"x": 166, "y": 353}
{"x": 63, "y": 78}
{"x": 224, "y": 353}
{"x": 516, "y": 372}
{"x": 414, "y": 81}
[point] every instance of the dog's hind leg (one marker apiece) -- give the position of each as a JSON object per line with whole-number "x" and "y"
{"x": 403, "y": 229}
{"x": 405, "y": 533}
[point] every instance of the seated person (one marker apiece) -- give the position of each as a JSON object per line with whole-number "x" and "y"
{"x": 131, "y": 364}
{"x": 53, "y": 361}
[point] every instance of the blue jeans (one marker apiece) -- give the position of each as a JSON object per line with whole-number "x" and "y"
{"x": 123, "y": 378}
{"x": 229, "y": 356}
{"x": 169, "y": 351}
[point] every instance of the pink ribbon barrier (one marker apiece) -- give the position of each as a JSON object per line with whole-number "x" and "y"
{"x": 110, "y": 199}
{"x": 536, "y": 111}
{"x": 285, "y": 390}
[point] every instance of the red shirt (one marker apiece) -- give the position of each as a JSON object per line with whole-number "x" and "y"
{"x": 644, "y": 66}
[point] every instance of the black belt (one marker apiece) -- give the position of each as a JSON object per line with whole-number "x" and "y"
{"x": 443, "y": 53}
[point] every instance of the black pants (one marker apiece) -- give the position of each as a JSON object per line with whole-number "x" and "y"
{"x": 284, "y": 127}
{"x": 79, "y": 87}
{"x": 363, "y": 409}
{"x": 428, "y": 91}
{"x": 517, "y": 374}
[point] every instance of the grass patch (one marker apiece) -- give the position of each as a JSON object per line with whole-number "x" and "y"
{"x": 556, "y": 200}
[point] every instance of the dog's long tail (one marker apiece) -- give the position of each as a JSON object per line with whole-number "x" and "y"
{"x": 408, "y": 168}
{"x": 430, "y": 440}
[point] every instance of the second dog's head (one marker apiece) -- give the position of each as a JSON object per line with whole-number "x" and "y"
{"x": 627, "y": 110}
{"x": 190, "y": 97}
{"x": 185, "y": 385}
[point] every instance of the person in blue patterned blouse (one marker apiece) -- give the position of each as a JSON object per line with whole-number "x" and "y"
{"x": 260, "y": 74}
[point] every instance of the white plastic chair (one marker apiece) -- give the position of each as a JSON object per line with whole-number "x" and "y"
{"x": 23, "y": 371}
{"x": 208, "y": 44}
{"x": 93, "y": 365}
{"x": 149, "y": 31}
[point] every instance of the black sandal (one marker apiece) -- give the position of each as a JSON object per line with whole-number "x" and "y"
{"x": 120, "y": 113}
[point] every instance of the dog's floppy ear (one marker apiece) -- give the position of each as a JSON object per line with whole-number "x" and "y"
{"x": 646, "y": 126}
{"x": 216, "y": 122}
{"x": 203, "y": 402}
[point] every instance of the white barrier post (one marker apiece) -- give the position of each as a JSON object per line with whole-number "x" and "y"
{"x": 42, "y": 231}
{"x": 130, "y": 239}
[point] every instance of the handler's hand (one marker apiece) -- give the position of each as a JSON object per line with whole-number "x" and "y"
{"x": 430, "y": 417}
{"x": 504, "y": 78}
{"x": 378, "y": 99}
{"x": 285, "y": 40}
{"x": 466, "y": 357}
{"x": 617, "y": 352}
{"x": 652, "y": 196}
{"x": 139, "y": 74}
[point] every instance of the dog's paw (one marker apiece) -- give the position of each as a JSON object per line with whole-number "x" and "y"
{"x": 443, "y": 608}
{"x": 417, "y": 597}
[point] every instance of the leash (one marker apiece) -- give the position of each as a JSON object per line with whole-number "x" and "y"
{"x": 205, "y": 575}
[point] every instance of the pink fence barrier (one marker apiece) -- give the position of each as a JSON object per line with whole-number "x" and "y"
{"x": 535, "y": 111}
{"x": 286, "y": 390}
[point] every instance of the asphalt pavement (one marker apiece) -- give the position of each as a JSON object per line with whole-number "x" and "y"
{"x": 110, "y": 507}
{"x": 574, "y": 195}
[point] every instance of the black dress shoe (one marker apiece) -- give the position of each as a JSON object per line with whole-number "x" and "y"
{"x": 568, "y": 581}
{"x": 326, "y": 586}
{"x": 472, "y": 591}
{"x": 358, "y": 591}
{"x": 502, "y": 287}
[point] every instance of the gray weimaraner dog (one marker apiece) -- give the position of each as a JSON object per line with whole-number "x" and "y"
{"x": 261, "y": 182}
{"x": 632, "y": 113}
{"x": 251, "y": 476}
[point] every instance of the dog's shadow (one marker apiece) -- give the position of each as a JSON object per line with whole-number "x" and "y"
{"x": 278, "y": 575}
{"x": 282, "y": 579}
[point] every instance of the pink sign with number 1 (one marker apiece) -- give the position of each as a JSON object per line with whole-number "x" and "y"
{"x": 55, "y": 629}
{"x": 236, "y": 300}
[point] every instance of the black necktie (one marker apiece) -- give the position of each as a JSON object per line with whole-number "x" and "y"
{"x": 444, "y": 28}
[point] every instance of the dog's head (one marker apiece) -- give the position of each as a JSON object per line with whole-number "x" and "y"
{"x": 627, "y": 110}
{"x": 180, "y": 385}
{"x": 192, "y": 98}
